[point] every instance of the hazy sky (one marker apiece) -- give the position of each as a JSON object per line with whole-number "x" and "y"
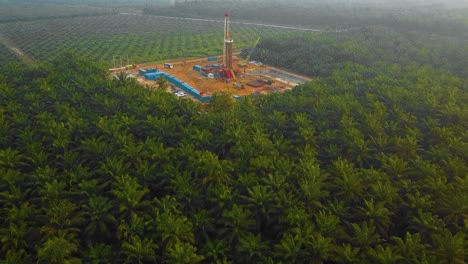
{"x": 450, "y": 3}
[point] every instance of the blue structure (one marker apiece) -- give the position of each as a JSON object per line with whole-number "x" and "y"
{"x": 153, "y": 75}
{"x": 141, "y": 72}
{"x": 212, "y": 58}
{"x": 197, "y": 68}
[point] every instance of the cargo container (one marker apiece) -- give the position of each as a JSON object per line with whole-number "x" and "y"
{"x": 153, "y": 75}
{"x": 212, "y": 58}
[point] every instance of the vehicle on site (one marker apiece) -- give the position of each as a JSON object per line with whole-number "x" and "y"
{"x": 180, "y": 93}
{"x": 168, "y": 66}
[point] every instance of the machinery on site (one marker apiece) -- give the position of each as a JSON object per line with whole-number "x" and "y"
{"x": 246, "y": 60}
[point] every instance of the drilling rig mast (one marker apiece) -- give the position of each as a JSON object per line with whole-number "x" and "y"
{"x": 227, "y": 56}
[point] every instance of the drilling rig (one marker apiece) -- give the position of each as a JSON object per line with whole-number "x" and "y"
{"x": 227, "y": 56}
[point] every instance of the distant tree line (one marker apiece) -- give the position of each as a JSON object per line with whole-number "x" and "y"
{"x": 329, "y": 15}
{"x": 375, "y": 47}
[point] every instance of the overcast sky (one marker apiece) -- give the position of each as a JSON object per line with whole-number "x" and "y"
{"x": 449, "y": 3}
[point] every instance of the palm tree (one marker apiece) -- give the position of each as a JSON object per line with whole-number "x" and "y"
{"x": 425, "y": 223}
{"x": 346, "y": 254}
{"x": 57, "y": 250}
{"x": 376, "y": 214}
{"x": 348, "y": 184}
{"x": 14, "y": 237}
{"x": 363, "y": 235}
{"x": 95, "y": 149}
{"x": 100, "y": 214}
{"x": 100, "y": 253}
{"x": 11, "y": 158}
{"x": 258, "y": 199}
{"x": 454, "y": 208}
{"x": 311, "y": 182}
{"x": 384, "y": 255}
{"x": 215, "y": 250}
{"x": 185, "y": 187}
{"x": 394, "y": 166}
{"x": 319, "y": 248}
{"x": 172, "y": 228}
{"x": 290, "y": 249}
{"x": 135, "y": 226}
{"x": 327, "y": 223}
{"x": 163, "y": 84}
{"x": 450, "y": 248}
{"x": 358, "y": 148}
{"x": 411, "y": 248}
{"x": 222, "y": 195}
{"x": 14, "y": 257}
{"x": 295, "y": 216}
{"x": 237, "y": 222}
{"x": 129, "y": 194}
{"x": 251, "y": 248}
{"x": 62, "y": 215}
{"x": 123, "y": 79}
{"x": 277, "y": 122}
{"x": 203, "y": 224}
{"x": 183, "y": 253}
{"x": 139, "y": 250}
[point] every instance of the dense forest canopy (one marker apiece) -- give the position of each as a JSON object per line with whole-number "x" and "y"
{"x": 361, "y": 166}
{"x": 365, "y": 164}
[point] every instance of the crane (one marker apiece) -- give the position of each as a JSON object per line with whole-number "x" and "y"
{"x": 246, "y": 60}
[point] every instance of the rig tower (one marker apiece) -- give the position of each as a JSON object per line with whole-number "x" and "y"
{"x": 227, "y": 56}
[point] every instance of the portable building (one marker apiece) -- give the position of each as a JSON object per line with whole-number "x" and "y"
{"x": 153, "y": 75}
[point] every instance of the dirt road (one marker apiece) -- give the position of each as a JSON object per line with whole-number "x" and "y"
{"x": 21, "y": 55}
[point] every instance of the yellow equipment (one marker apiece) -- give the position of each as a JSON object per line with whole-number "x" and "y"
{"x": 246, "y": 60}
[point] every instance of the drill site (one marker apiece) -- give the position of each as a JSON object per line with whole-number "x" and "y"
{"x": 227, "y": 73}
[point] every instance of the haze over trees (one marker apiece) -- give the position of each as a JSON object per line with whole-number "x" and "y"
{"x": 365, "y": 164}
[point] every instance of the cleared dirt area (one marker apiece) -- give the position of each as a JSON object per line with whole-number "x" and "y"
{"x": 267, "y": 79}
